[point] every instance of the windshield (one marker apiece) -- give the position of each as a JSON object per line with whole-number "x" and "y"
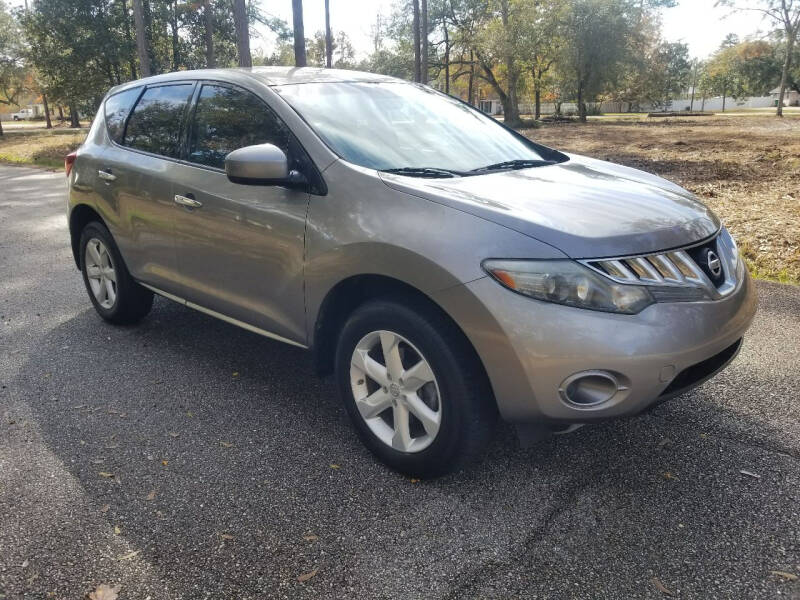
{"x": 395, "y": 126}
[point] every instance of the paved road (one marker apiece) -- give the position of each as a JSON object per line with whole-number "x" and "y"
{"x": 235, "y": 470}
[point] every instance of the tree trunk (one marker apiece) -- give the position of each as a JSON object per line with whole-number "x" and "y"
{"x": 446, "y": 59}
{"x": 73, "y": 116}
{"x": 415, "y": 25}
{"x": 299, "y": 34}
{"x": 129, "y": 41}
{"x": 787, "y": 64}
{"x": 723, "y": 100}
{"x": 1, "y": 129}
{"x": 141, "y": 39}
{"x": 242, "y": 33}
{"x": 537, "y": 100}
{"x": 581, "y": 105}
{"x": 471, "y": 85}
{"x": 176, "y": 49}
{"x": 328, "y": 36}
{"x": 510, "y": 104}
{"x": 60, "y": 113}
{"x": 208, "y": 20}
{"x": 424, "y": 34}
{"x": 46, "y": 112}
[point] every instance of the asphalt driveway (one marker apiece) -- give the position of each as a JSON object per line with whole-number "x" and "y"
{"x": 186, "y": 458}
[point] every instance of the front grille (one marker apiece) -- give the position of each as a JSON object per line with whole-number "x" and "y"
{"x": 702, "y": 371}
{"x": 681, "y": 275}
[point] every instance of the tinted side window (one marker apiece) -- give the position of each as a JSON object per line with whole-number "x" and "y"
{"x": 117, "y": 108}
{"x": 226, "y": 119}
{"x": 155, "y": 125}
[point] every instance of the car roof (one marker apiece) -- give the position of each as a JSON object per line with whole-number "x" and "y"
{"x": 271, "y": 76}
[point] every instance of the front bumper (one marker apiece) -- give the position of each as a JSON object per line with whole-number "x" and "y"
{"x": 529, "y": 348}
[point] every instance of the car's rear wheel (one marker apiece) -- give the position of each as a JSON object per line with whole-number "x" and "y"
{"x": 413, "y": 388}
{"x": 113, "y": 292}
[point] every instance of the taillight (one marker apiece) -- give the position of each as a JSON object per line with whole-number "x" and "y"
{"x": 69, "y": 160}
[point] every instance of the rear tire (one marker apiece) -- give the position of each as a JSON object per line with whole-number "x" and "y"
{"x": 454, "y": 402}
{"x": 114, "y": 293}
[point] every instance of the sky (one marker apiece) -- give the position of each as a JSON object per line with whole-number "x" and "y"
{"x": 695, "y": 22}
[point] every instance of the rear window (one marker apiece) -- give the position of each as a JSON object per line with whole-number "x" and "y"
{"x": 155, "y": 125}
{"x": 117, "y": 109}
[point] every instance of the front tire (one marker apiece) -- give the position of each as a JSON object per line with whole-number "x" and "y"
{"x": 413, "y": 387}
{"x": 114, "y": 293}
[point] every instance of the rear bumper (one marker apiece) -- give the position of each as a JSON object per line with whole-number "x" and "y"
{"x": 530, "y": 349}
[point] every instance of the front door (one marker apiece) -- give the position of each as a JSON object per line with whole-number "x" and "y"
{"x": 240, "y": 247}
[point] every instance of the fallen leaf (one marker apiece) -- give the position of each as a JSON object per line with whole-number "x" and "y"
{"x": 310, "y": 537}
{"x": 25, "y": 564}
{"x": 307, "y": 576}
{"x": 664, "y": 442}
{"x": 189, "y": 414}
{"x": 785, "y": 575}
{"x": 750, "y": 474}
{"x": 105, "y": 474}
{"x": 226, "y": 536}
{"x": 117, "y": 530}
{"x": 129, "y": 555}
{"x": 164, "y": 463}
{"x": 334, "y": 466}
{"x": 660, "y": 586}
{"x": 151, "y": 495}
{"x": 226, "y": 444}
{"x": 174, "y": 434}
{"x": 236, "y": 373}
{"x": 104, "y": 592}
{"x": 668, "y": 475}
{"x": 112, "y": 447}
{"x": 413, "y": 480}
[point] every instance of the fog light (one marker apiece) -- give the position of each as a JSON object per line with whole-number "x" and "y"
{"x": 590, "y": 388}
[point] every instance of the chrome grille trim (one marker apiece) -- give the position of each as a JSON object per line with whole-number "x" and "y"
{"x": 673, "y": 269}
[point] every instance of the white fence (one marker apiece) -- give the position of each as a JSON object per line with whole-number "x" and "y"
{"x": 678, "y": 104}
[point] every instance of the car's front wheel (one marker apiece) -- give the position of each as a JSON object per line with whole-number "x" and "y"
{"x": 113, "y": 292}
{"x": 413, "y": 388}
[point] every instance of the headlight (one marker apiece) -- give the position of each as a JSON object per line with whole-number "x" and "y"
{"x": 567, "y": 282}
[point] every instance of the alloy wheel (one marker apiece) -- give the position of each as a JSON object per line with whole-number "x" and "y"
{"x": 395, "y": 391}
{"x": 100, "y": 273}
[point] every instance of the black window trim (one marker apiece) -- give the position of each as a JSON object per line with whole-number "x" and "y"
{"x": 187, "y": 119}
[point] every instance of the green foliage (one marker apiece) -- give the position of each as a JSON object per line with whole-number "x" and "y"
{"x": 12, "y": 71}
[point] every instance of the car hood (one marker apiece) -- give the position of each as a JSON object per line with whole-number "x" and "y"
{"x": 586, "y": 208}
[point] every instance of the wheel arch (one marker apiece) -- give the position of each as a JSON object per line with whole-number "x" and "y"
{"x": 350, "y": 293}
{"x": 79, "y": 217}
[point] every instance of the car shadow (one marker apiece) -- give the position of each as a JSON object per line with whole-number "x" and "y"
{"x": 228, "y": 465}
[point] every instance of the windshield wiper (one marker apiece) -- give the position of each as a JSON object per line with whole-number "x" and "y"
{"x": 508, "y": 165}
{"x": 430, "y": 172}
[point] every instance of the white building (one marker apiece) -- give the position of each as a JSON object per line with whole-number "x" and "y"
{"x": 790, "y": 97}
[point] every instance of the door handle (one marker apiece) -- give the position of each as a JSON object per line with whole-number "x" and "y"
{"x": 187, "y": 201}
{"x": 106, "y": 175}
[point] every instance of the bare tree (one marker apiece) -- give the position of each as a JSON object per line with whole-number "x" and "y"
{"x": 328, "y": 36}
{"x": 785, "y": 13}
{"x": 299, "y": 34}
{"x": 242, "y": 33}
{"x": 208, "y": 20}
{"x": 424, "y": 34}
{"x": 415, "y": 25}
{"x": 141, "y": 39}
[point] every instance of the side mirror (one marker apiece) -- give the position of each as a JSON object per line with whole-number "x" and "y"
{"x": 264, "y": 164}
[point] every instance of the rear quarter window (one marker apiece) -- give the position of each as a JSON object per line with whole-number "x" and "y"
{"x": 117, "y": 109}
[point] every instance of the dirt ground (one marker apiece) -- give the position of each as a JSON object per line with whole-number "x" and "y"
{"x": 38, "y": 146}
{"x": 747, "y": 169}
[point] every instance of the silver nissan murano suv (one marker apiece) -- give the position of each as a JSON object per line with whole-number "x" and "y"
{"x": 444, "y": 268}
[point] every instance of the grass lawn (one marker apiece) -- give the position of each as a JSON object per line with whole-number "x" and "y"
{"x": 41, "y": 147}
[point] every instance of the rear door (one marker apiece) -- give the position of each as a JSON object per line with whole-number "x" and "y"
{"x": 137, "y": 172}
{"x": 241, "y": 249}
